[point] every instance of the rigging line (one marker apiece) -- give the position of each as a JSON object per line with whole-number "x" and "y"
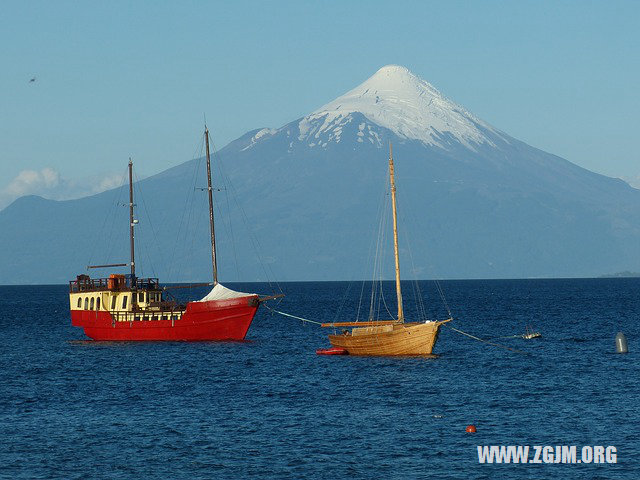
{"x": 113, "y": 230}
{"x": 374, "y": 284}
{"x": 381, "y": 262}
{"x": 420, "y": 303}
{"x": 227, "y": 220}
{"x": 230, "y": 187}
{"x": 194, "y": 235}
{"x": 192, "y": 220}
{"x": 360, "y": 301}
{"x": 372, "y": 241}
{"x": 412, "y": 220}
{"x": 416, "y": 299}
{"x": 374, "y": 279}
{"x": 366, "y": 261}
{"x": 417, "y": 293}
{"x": 292, "y": 316}
{"x": 444, "y": 300}
{"x": 377, "y": 258}
{"x": 255, "y": 242}
{"x": 384, "y": 301}
{"x": 485, "y": 341}
{"x": 196, "y": 158}
{"x": 153, "y": 231}
{"x": 344, "y": 301}
{"x": 109, "y": 216}
{"x": 233, "y": 239}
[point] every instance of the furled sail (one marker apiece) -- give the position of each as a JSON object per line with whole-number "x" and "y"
{"x": 220, "y": 292}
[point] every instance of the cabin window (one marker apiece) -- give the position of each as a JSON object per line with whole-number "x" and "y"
{"x": 113, "y": 303}
{"x": 79, "y": 302}
{"x": 164, "y": 317}
{"x": 91, "y": 305}
{"x": 124, "y": 301}
{"x": 86, "y": 303}
{"x": 141, "y": 297}
{"x": 149, "y": 298}
{"x": 98, "y": 303}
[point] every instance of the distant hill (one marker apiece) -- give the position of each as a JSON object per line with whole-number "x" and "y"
{"x": 474, "y": 202}
{"x": 625, "y": 274}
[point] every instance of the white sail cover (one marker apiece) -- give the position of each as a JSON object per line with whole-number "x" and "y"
{"x": 220, "y": 292}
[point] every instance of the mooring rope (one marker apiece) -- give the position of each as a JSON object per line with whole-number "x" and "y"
{"x": 292, "y": 316}
{"x": 485, "y": 341}
{"x": 508, "y": 336}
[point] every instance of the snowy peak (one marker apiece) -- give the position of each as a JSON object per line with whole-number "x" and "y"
{"x": 400, "y": 101}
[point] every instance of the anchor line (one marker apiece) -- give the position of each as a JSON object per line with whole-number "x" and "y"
{"x": 485, "y": 341}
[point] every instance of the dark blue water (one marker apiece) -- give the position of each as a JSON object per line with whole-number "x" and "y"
{"x": 271, "y": 408}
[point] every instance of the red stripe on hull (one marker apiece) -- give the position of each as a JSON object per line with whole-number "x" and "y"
{"x": 214, "y": 320}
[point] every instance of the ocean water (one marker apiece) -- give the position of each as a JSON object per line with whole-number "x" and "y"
{"x": 270, "y": 408}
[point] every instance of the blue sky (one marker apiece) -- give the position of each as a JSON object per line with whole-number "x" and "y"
{"x": 119, "y": 79}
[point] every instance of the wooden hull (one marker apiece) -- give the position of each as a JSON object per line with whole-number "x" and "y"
{"x": 401, "y": 339}
{"x": 202, "y": 321}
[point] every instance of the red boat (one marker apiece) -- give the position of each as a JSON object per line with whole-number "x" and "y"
{"x": 331, "y": 351}
{"x": 128, "y": 308}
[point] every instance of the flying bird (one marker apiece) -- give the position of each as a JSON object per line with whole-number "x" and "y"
{"x": 33, "y": 79}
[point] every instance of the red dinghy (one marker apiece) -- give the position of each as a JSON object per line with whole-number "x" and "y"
{"x": 331, "y": 351}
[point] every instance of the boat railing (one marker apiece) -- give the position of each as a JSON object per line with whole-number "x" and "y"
{"x": 87, "y": 284}
{"x": 174, "y": 313}
{"x": 83, "y": 283}
{"x": 147, "y": 284}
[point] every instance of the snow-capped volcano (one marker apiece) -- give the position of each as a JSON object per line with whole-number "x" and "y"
{"x": 396, "y": 99}
{"x": 481, "y": 204}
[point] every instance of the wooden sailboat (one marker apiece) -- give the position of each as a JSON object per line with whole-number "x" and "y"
{"x": 388, "y": 337}
{"x": 130, "y": 308}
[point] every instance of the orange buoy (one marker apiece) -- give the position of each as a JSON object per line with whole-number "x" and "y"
{"x": 471, "y": 429}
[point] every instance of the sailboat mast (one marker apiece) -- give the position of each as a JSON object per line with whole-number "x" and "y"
{"x": 211, "y": 224}
{"x": 395, "y": 234}
{"x": 131, "y": 224}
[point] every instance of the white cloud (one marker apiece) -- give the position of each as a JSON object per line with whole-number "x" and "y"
{"x": 30, "y": 181}
{"x": 50, "y": 184}
{"x": 107, "y": 182}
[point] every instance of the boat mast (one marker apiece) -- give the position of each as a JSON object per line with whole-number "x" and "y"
{"x": 131, "y": 224}
{"x": 395, "y": 234}
{"x": 211, "y": 224}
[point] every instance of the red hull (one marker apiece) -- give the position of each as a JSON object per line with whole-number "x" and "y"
{"x": 213, "y": 320}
